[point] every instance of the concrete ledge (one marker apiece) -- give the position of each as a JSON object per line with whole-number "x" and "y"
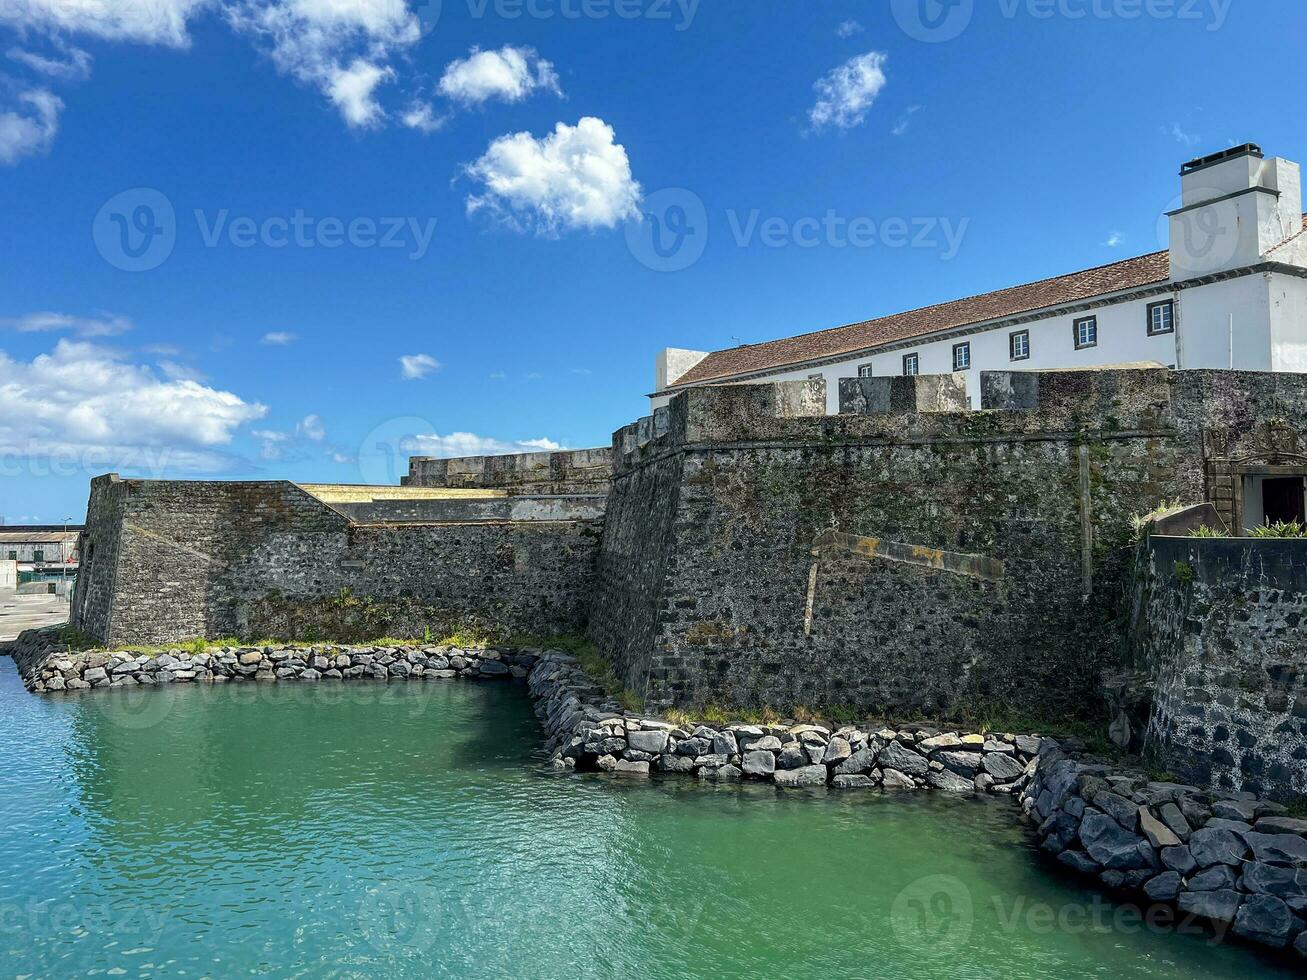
{"x": 972, "y": 566}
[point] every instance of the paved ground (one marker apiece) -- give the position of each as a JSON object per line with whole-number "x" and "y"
{"x": 25, "y": 612}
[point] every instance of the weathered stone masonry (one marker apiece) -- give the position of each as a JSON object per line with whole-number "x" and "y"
{"x": 174, "y": 560}
{"x": 1218, "y": 632}
{"x": 717, "y": 586}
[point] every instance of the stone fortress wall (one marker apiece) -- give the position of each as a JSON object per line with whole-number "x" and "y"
{"x": 905, "y": 556}
{"x": 1218, "y": 634}
{"x": 169, "y": 560}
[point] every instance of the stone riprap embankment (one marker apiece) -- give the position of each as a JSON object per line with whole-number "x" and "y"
{"x": 45, "y": 665}
{"x": 1229, "y": 858}
{"x": 586, "y": 730}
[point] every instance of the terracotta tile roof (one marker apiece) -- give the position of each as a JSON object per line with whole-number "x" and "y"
{"x": 1104, "y": 279}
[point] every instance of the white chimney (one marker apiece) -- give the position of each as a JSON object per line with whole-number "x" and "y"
{"x": 673, "y": 363}
{"x": 1235, "y": 207}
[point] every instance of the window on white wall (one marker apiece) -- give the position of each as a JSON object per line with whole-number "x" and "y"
{"x": 1161, "y": 318}
{"x": 910, "y": 364}
{"x": 864, "y": 370}
{"x": 961, "y": 356}
{"x": 1018, "y": 345}
{"x": 1086, "y": 332}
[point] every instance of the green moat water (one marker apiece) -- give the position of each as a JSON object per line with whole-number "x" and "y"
{"x": 410, "y": 830}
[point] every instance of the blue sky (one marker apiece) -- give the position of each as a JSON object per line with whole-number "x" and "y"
{"x": 972, "y": 148}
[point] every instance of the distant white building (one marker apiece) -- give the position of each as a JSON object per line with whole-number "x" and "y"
{"x": 1231, "y": 291}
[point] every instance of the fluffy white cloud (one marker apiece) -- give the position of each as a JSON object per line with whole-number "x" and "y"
{"x": 312, "y": 428}
{"x": 414, "y": 366}
{"x": 509, "y": 74}
{"x": 104, "y": 325}
{"x": 575, "y": 177}
{"x": 848, "y": 28}
{"x": 150, "y": 21}
{"x": 30, "y": 126}
{"x": 87, "y": 403}
{"x": 422, "y": 117}
{"x": 845, "y": 95}
{"x": 351, "y": 89}
{"x": 470, "y": 444}
{"x": 341, "y": 46}
{"x": 279, "y": 338}
{"x": 75, "y": 64}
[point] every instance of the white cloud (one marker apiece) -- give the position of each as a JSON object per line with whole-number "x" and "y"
{"x": 103, "y": 325}
{"x": 414, "y": 366}
{"x": 149, "y": 21}
{"x": 343, "y": 47}
{"x": 351, "y": 89}
{"x": 75, "y": 66}
{"x": 1115, "y": 239}
{"x": 469, "y": 444}
{"x": 1179, "y": 135}
{"x": 845, "y": 95}
{"x": 575, "y": 177}
{"x": 30, "y": 126}
{"x": 279, "y": 338}
{"x": 509, "y": 74}
{"x": 901, "y": 126}
{"x": 422, "y": 117}
{"x": 176, "y": 371}
{"x": 89, "y": 403}
{"x": 311, "y": 428}
{"x": 848, "y": 28}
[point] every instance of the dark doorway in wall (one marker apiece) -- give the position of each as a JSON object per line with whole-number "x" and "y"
{"x": 1282, "y": 500}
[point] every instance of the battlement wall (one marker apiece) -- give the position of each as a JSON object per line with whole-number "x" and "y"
{"x": 572, "y": 471}
{"x": 720, "y": 583}
{"x": 173, "y": 560}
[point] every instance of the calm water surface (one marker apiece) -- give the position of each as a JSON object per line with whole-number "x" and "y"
{"x": 409, "y": 830}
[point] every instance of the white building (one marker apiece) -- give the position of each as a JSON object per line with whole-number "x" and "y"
{"x": 1231, "y": 291}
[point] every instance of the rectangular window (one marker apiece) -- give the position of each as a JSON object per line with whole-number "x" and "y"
{"x": 1161, "y": 317}
{"x": 864, "y": 370}
{"x": 1086, "y": 332}
{"x": 1018, "y": 345}
{"x": 961, "y": 357}
{"x": 38, "y": 555}
{"x": 910, "y": 364}
{"x": 13, "y": 556}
